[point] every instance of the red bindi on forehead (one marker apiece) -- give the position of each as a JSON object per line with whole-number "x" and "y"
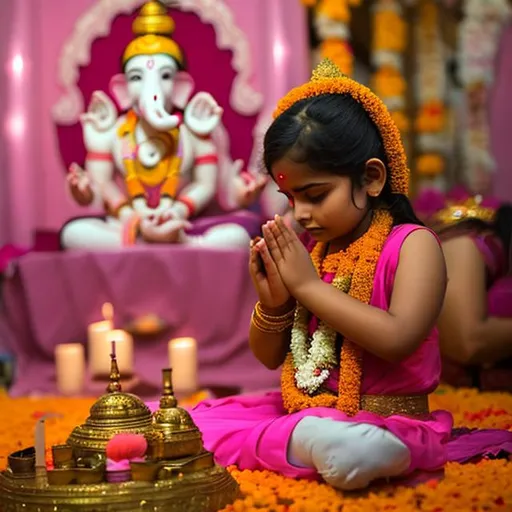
{"x": 150, "y": 63}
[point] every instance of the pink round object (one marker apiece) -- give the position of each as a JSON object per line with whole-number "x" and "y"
{"x": 126, "y": 446}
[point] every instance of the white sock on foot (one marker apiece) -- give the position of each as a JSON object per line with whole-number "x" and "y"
{"x": 347, "y": 455}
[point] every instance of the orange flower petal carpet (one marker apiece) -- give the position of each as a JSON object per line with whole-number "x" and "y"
{"x": 484, "y": 486}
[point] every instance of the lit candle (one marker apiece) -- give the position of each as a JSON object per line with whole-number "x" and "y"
{"x": 97, "y": 339}
{"x": 119, "y": 343}
{"x": 70, "y": 368}
{"x": 183, "y": 361}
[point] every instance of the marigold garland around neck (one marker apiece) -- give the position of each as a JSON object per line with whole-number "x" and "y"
{"x": 308, "y": 364}
{"x": 328, "y": 79}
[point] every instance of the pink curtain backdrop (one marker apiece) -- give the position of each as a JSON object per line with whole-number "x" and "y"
{"x": 500, "y": 118}
{"x": 33, "y": 194}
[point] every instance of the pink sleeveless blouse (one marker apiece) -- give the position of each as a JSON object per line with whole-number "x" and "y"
{"x": 420, "y": 372}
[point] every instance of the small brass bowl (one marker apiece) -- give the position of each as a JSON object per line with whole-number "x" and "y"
{"x": 80, "y": 476}
{"x": 61, "y": 476}
{"x": 89, "y": 476}
{"x": 144, "y": 471}
{"x": 172, "y": 468}
{"x": 23, "y": 462}
{"x": 175, "y": 448}
{"x": 63, "y": 457}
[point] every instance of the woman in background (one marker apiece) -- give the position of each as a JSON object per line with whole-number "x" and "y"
{"x": 475, "y": 324}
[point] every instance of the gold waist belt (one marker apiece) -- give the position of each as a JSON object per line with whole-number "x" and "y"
{"x": 387, "y": 405}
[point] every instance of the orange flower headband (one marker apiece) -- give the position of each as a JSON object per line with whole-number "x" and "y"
{"x": 328, "y": 79}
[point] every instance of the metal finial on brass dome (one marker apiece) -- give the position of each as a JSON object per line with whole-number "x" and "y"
{"x": 167, "y": 399}
{"x": 114, "y": 386}
{"x": 173, "y": 432}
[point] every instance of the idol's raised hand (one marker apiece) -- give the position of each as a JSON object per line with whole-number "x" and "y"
{"x": 272, "y": 292}
{"x": 291, "y": 258}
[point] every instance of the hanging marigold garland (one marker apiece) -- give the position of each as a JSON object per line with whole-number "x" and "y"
{"x": 431, "y": 90}
{"x": 332, "y": 23}
{"x": 389, "y": 44}
{"x": 479, "y": 36}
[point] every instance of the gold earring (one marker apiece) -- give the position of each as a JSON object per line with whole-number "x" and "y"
{"x": 373, "y": 194}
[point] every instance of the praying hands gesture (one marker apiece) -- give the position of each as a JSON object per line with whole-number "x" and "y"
{"x": 272, "y": 292}
{"x": 291, "y": 258}
{"x": 288, "y": 257}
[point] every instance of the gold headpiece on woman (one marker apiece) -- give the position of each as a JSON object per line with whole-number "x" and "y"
{"x": 471, "y": 208}
{"x": 328, "y": 79}
{"x": 153, "y": 29}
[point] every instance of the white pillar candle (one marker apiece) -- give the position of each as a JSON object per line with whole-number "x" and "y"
{"x": 97, "y": 345}
{"x": 70, "y": 368}
{"x": 183, "y": 361}
{"x": 124, "y": 351}
{"x": 97, "y": 339}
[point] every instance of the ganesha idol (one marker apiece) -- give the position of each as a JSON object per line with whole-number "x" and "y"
{"x": 166, "y": 149}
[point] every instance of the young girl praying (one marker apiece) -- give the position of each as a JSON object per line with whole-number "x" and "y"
{"x": 348, "y": 310}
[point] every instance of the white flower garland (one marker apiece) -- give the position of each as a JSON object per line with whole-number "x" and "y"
{"x": 387, "y": 58}
{"x": 431, "y": 79}
{"x": 479, "y": 35}
{"x": 334, "y": 30}
{"x": 313, "y": 360}
{"x": 431, "y": 90}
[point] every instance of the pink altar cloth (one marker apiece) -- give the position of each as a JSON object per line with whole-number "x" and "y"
{"x": 207, "y": 294}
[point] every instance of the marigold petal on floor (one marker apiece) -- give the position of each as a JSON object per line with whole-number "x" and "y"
{"x": 486, "y": 485}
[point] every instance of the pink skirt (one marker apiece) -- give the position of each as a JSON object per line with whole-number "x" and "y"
{"x": 252, "y": 432}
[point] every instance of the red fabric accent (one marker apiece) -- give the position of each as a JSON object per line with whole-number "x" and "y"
{"x": 189, "y": 204}
{"x": 206, "y": 159}
{"x": 105, "y": 157}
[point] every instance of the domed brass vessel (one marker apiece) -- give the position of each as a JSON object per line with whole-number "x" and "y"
{"x": 176, "y": 475}
{"x": 111, "y": 414}
{"x": 173, "y": 434}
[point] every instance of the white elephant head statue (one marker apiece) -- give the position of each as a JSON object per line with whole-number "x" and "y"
{"x": 154, "y": 82}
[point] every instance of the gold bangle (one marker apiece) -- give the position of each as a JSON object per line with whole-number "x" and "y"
{"x": 271, "y": 323}
{"x": 273, "y": 318}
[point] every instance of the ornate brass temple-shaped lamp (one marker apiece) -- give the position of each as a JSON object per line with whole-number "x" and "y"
{"x": 173, "y": 434}
{"x": 111, "y": 414}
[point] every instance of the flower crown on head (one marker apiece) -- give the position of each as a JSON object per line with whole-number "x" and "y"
{"x": 471, "y": 208}
{"x": 328, "y": 79}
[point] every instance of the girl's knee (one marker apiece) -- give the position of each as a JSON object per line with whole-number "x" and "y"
{"x": 348, "y": 455}
{"x": 372, "y": 453}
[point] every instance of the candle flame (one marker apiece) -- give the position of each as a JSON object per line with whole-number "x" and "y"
{"x": 107, "y": 311}
{"x": 183, "y": 342}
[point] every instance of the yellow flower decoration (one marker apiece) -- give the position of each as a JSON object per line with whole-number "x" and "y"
{"x": 390, "y": 32}
{"x": 388, "y": 82}
{"x": 430, "y": 164}
{"x": 431, "y": 118}
{"x": 339, "y": 52}
{"x": 477, "y": 486}
{"x": 337, "y": 10}
{"x": 401, "y": 120}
